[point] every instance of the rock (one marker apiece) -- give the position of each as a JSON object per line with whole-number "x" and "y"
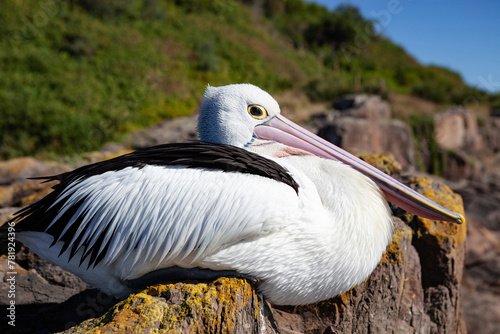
{"x": 480, "y": 285}
{"x": 23, "y": 192}
{"x": 457, "y": 129}
{"x": 481, "y": 280}
{"x": 37, "y": 280}
{"x": 344, "y": 103}
{"x": 450, "y": 130}
{"x": 57, "y": 317}
{"x": 364, "y": 106}
{"x": 481, "y": 203}
{"x": 361, "y": 135}
{"x": 460, "y": 165}
{"x": 470, "y": 144}
{"x": 482, "y": 310}
{"x": 482, "y": 244}
{"x": 491, "y": 137}
{"x": 321, "y": 119}
{"x": 176, "y": 130}
{"x": 48, "y": 299}
{"x": 16, "y": 189}
{"x": 473, "y": 139}
{"x": 101, "y": 155}
{"x": 397, "y": 139}
{"x": 441, "y": 248}
{"x": 386, "y": 162}
{"x": 20, "y": 169}
{"x": 6, "y": 214}
{"x": 364, "y": 125}
{"x": 226, "y": 305}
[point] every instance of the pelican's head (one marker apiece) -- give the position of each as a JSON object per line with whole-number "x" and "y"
{"x": 229, "y": 114}
{"x": 236, "y": 114}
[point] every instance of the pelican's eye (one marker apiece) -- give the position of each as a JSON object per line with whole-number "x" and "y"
{"x": 257, "y": 111}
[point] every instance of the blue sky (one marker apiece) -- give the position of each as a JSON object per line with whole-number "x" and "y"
{"x": 461, "y": 35}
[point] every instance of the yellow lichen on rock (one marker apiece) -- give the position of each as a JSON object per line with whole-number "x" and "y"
{"x": 395, "y": 252}
{"x": 444, "y": 232}
{"x": 179, "y": 308}
{"x": 32, "y": 198}
{"x": 140, "y": 313}
{"x": 386, "y": 162}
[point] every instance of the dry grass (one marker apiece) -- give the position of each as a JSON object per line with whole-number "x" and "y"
{"x": 404, "y": 105}
{"x": 296, "y": 106}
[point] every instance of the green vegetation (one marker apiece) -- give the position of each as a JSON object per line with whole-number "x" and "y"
{"x": 78, "y": 73}
{"x": 430, "y": 157}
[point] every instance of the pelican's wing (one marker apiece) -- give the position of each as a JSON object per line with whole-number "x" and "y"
{"x": 165, "y": 204}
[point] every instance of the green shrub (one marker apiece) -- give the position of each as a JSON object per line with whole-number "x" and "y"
{"x": 430, "y": 158}
{"x": 78, "y": 73}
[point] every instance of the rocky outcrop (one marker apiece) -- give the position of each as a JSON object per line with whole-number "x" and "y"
{"x": 457, "y": 129}
{"x": 463, "y": 144}
{"x": 37, "y": 285}
{"x": 18, "y": 170}
{"x": 364, "y": 125}
{"x": 16, "y": 190}
{"x": 177, "y": 130}
{"x": 226, "y": 305}
{"x": 491, "y": 133}
{"x": 471, "y": 144}
{"x": 363, "y": 106}
{"x": 441, "y": 276}
{"x": 480, "y": 287}
{"x": 363, "y": 135}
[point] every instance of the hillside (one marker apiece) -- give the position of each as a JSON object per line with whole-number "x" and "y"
{"x": 76, "y": 74}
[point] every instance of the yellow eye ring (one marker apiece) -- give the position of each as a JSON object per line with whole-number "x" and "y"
{"x": 257, "y": 112}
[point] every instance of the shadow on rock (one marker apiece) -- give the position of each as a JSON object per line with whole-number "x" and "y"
{"x": 57, "y": 317}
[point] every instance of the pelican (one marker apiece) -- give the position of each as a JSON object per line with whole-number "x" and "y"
{"x": 257, "y": 197}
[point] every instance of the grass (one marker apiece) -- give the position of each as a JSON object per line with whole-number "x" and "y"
{"x": 76, "y": 74}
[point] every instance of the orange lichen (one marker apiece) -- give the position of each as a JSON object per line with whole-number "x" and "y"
{"x": 27, "y": 200}
{"x": 395, "y": 253}
{"x": 442, "y": 232}
{"x": 202, "y": 307}
{"x": 386, "y": 162}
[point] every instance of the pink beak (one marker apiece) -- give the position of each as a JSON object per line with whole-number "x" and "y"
{"x": 284, "y": 131}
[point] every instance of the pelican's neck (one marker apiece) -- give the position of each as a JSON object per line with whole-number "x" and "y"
{"x": 355, "y": 227}
{"x": 354, "y": 204}
{"x": 212, "y": 127}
